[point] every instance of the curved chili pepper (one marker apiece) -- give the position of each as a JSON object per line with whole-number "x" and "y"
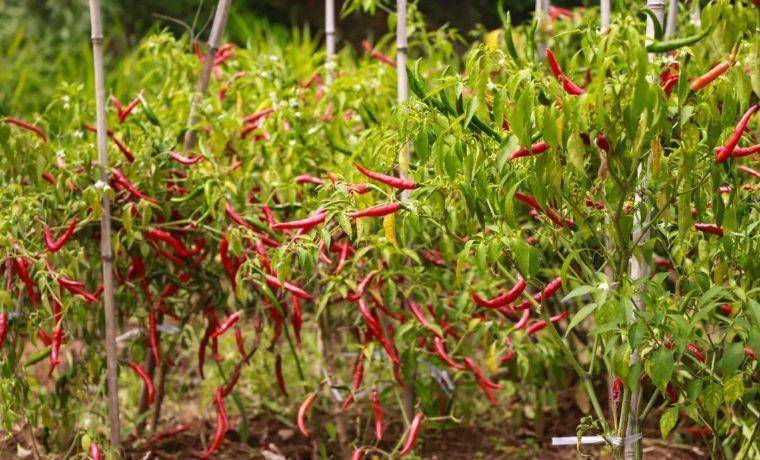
{"x": 728, "y": 149}
{"x": 237, "y": 218}
{"x": 95, "y": 452}
{"x": 55, "y": 347}
{"x": 749, "y": 171}
{"x": 535, "y": 149}
{"x": 709, "y": 228}
{"x": 227, "y": 264}
{"x": 376, "y": 211}
{"x": 241, "y": 343}
{"x": 344, "y": 249}
{"x": 176, "y": 156}
{"x": 258, "y": 115}
{"x": 49, "y": 177}
{"x": 273, "y": 281}
{"x": 3, "y": 327}
{"x": 480, "y": 376}
{"x": 297, "y": 318}
{"x": 277, "y": 318}
{"x": 27, "y": 126}
{"x": 228, "y": 323}
{"x": 377, "y": 409}
{"x": 146, "y": 380}
{"x": 397, "y": 375}
{"x": 359, "y": 370}
{"x": 202, "y": 349}
{"x": 233, "y": 380}
{"x": 179, "y": 248}
{"x": 360, "y": 288}
{"x": 308, "y": 179}
{"x": 278, "y": 374}
{"x": 376, "y": 54}
{"x": 123, "y": 114}
{"x": 153, "y": 336}
{"x": 535, "y": 327}
{"x": 222, "y": 425}
{"x": 502, "y": 300}
{"x": 136, "y": 269}
{"x": 440, "y": 350}
{"x": 168, "y": 433}
{"x": 372, "y": 323}
{"x": 55, "y": 245}
{"x": 568, "y": 85}
{"x": 77, "y": 288}
{"x": 743, "y": 151}
{"x": 22, "y": 268}
{"x": 302, "y": 224}
{"x": 549, "y": 290}
{"x": 395, "y": 182}
{"x": 747, "y": 352}
{"x": 359, "y": 189}
{"x": 696, "y": 352}
{"x": 302, "y": 411}
{"x": 419, "y": 316}
{"x": 414, "y": 432}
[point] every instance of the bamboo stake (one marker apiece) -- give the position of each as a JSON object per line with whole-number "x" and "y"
{"x": 605, "y": 11}
{"x": 695, "y": 15}
{"x": 220, "y": 22}
{"x": 106, "y": 252}
{"x": 672, "y": 23}
{"x": 639, "y": 271}
{"x": 329, "y": 39}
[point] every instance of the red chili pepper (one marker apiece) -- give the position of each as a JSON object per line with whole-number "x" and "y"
{"x": 273, "y": 281}
{"x": 541, "y": 324}
{"x": 240, "y": 343}
{"x": 548, "y": 291}
{"x": 535, "y": 149}
{"x": 358, "y": 370}
{"x": 55, "y": 245}
{"x": 297, "y": 318}
{"x": 3, "y": 327}
{"x": 376, "y": 211}
{"x": 617, "y": 391}
{"x": 176, "y": 156}
{"x": 603, "y": 143}
{"x": 360, "y": 288}
{"x": 502, "y": 300}
{"x": 727, "y": 309}
{"x": 344, "y": 249}
{"x": 358, "y": 454}
{"x": 122, "y": 180}
{"x": 55, "y": 348}
{"x": 233, "y": 380}
{"x": 229, "y": 266}
{"x": 747, "y": 352}
{"x": 237, "y": 218}
{"x": 749, "y": 171}
{"x": 49, "y": 177}
{"x": 22, "y": 268}
{"x": 696, "y": 352}
{"x": 742, "y": 151}
{"x": 202, "y": 349}
{"x": 123, "y": 114}
{"x": 711, "y": 75}
{"x": 302, "y": 224}
{"x": 302, "y": 411}
{"x": 179, "y": 248}
{"x": 278, "y": 374}
{"x": 221, "y": 427}
{"x": 228, "y": 323}
{"x": 377, "y": 409}
{"x": 567, "y": 84}
{"x": 77, "y": 288}
{"x": 414, "y": 432}
{"x": 168, "y": 433}
{"x": 372, "y": 323}
{"x": 670, "y": 83}
{"x": 419, "y": 316}
{"x": 480, "y": 376}
{"x": 146, "y": 380}
{"x": 434, "y": 257}
{"x": 136, "y": 269}
{"x": 530, "y": 201}
{"x": 395, "y": 182}
{"x": 308, "y": 179}
{"x": 728, "y": 149}
{"x": 359, "y": 189}
{"x": 153, "y": 336}
{"x": 27, "y": 126}
{"x": 258, "y": 115}
{"x": 663, "y": 263}
{"x": 440, "y": 350}
{"x": 268, "y": 215}
{"x": 672, "y": 393}
{"x": 709, "y": 228}
{"x": 376, "y": 54}
{"x": 95, "y": 452}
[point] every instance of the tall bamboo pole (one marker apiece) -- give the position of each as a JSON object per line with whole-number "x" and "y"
{"x": 220, "y": 22}
{"x": 672, "y": 23}
{"x": 605, "y": 14}
{"x": 330, "y": 39}
{"x": 106, "y": 252}
{"x": 640, "y": 270}
{"x": 695, "y": 15}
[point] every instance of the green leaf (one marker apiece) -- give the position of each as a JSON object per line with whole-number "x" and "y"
{"x": 668, "y": 420}
{"x": 577, "y": 292}
{"x": 732, "y": 358}
{"x": 733, "y": 388}
{"x": 711, "y": 398}
{"x": 580, "y": 316}
{"x": 526, "y": 256}
{"x": 661, "y": 367}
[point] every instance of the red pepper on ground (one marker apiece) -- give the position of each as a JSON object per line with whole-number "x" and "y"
{"x": 302, "y": 411}
{"x": 503, "y": 299}
{"x": 146, "y": 379}
{"x": 709, "y": 228}
{"x": 567, "y": 84}
{"x": 414, "y": 432}
{"x": 55, "y": 245}
{"x": 395, "y": 182}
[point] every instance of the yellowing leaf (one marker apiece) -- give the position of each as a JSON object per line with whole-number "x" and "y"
{"x": 389, "y": 225}
{"x": 656, "y": 155}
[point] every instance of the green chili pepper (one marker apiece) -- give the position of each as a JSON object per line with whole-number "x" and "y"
{"x": 670, "y": 45}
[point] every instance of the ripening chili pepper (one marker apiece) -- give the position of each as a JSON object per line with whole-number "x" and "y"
{"x": 698, "y": 432}
{"x": 168, "y": 433}
{"x": 278, "y": 374}
{"x": 503, "y": 299}
{"x": 411, "y": 437}
{"x": 696, "y": 352}
{"x": 711, "y": 75}
{"x": 297, "y": 318}
{"x": 27, "y": 126}
{"x": 480, "y": 376}
{"x": 360, "y": 288}
{"x": 22, "y": 268}
{"x": 228, "y": 323}
{"x": 146, "y": 380}
{"x": 376, "y": 54}
{"x": 54, "y": 245}
{"x": 728, "y": 148}
{"x": 709, "y": 228}
{"x": 308, "y": 179}
{"x": 440, "y": 350}
{"x": 176, "y": 156}
{"x": 535, "y": 149}
{"x": 122, "y": 180}
{"x": 302, "y": 411}
{"x": 377, "y": 409}
{"x": 49, "y": 177}
{"x": 95, "y": 452}
{"x": 749, "y": 171}
{"x": 3, "y": 327}
{"x": 548, "y": 291}
{"x": 376, "y": 211}
{"x": 273, "y": 281}
{"x": 395, "y": 182}
{"x": 302, "y": 224}
{"x": 567, "y": 84}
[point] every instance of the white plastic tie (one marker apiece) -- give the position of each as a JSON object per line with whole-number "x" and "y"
{"x": 614, "y": 440}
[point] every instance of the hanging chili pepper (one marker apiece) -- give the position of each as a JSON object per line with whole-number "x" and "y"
{"x": 747, "y": 352}
{"x": 303, "y": 224}
{"x": 297, "y": 318}
{"x": 535, "y": 149}
{"x": 176, "y": 156}
{"x": 440, "y": 350}
{"x": 3, "y": 327}
{"x": 344, "y": 249}
{"x": 227, "y": 263}
{"x": 377, "y": 409}
{"x": 147, "y": 380}
{"x": 122, "y": 180}
{"x": 541, "y": 324}
{"x": 54, "y": 245}
{"x": 307, "y": 179}
{"x": 502, "y": 300}
{"x": 411, "y": 438}
{"x": 258, "y": 115}
{"x": 549, "y": 290}
{"x": 395, "y": 182}
{"x": 727, "y": 150}
{"x": 359, "y": 370}
{"x": 221, "y": 427}
{"x": 123, "y": 114}
{"x": 480, "y": 376}
{"x": 359, "y": 189}
{"x": 617, "y": 391}
{"x": 22, "y": 268}
{"x": 711, "y": 75}
{"x": 749, "y": 171}
{"x": 77, "y": 288}
{"x": 372, "y": 323}
{"x": 55, "y": 347}
{"x": 233, "y": 380}
{"x": 358, "y": 454}
{"x": 278, "y": 374}
{"x": 136, "y": 269}
{"x": 241, "y": 344}
{"x": 567, "y": 84}
{"x": 360, "y": 288}
{"x": 376, "y": 211}
{"x": 49, "y": 177}
{"x": 26, "y": 126}
{"x": 202, "y": 349}
{"x": 696, "y": 352}
{"x": 273, "y": 281}
{"x": 302, "y": 411}
{"x": 709, "y": 228}
{"x": 742, "y": 151}
{"x": 376, "y": 54}
{"x": 179, "y": 248}
{"x": 153, "y": 336}
{"x": 95, "y": 452}
{"x": 603, "y": 143}
{"x": 228, "y": 323}
{"x": 237, "y": 218}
